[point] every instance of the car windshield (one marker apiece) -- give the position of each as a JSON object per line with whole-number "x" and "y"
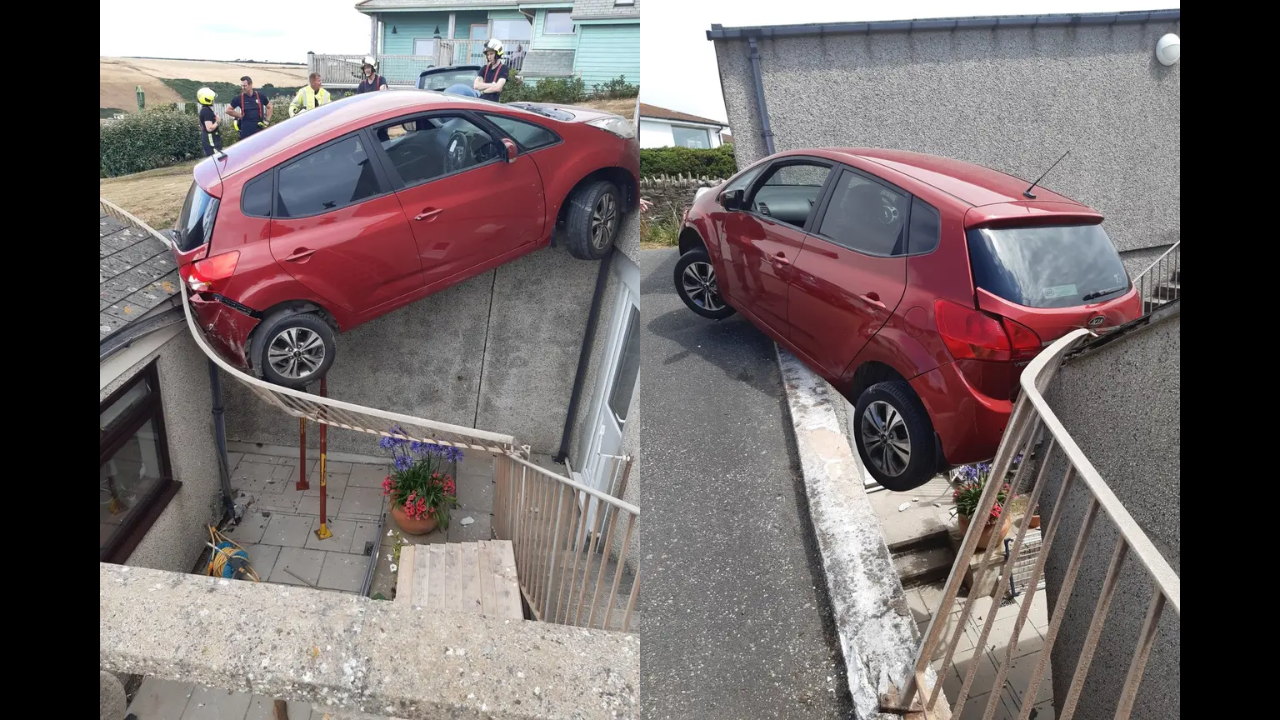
{"x": 1047, "y": 267}
{"x": 443, "y": 80}
{"x": 195, "y": 223}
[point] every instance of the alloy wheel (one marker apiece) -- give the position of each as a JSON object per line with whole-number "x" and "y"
{"x": 296, "y": 353}
{"x": 885, "y": 438}
{"x": 699, "y": 284}
{"x": 604, "y": 221}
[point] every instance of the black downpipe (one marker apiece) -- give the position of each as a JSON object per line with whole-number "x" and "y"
{"x": 220, "y": 436}
{"x": 584, "y": 357}
{"x": 763, "y": 108}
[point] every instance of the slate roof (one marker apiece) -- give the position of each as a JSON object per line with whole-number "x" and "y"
{"x": 136, "y": 273}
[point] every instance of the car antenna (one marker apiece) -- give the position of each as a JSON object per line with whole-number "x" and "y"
{"x": 1030, "y": 195}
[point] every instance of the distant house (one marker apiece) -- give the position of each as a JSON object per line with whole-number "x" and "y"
{"x": 597, "y": 40}
{"x": 660, "y": 127}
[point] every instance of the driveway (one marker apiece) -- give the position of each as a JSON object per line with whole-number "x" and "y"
{"x": 735, "y": 622}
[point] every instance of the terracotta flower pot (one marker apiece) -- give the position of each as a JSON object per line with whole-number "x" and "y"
{"x": 412, "y": 526}
{"x": 1034, "y": 522}
{"x": 984, "y": 540}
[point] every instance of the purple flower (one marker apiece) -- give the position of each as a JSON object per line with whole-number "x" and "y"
{"x": 403, "y": 462}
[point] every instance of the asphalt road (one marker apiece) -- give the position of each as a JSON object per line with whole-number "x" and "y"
{"x": 736, "y": 622}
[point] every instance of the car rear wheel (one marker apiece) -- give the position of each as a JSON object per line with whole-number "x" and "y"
{"x": 595, "y": 214}
{"x": 894, "y": 436}
{"x": 696, "y": 284}
{"x": 294, "y": 349}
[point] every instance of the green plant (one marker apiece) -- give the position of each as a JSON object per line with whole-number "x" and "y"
{"x": 147, "y": 140}
{"x": 108, "y": 112}
{"x": 186, "y": 89}
{"x": 969, "y": 494}
{"x": 664, "y": 230}
{"x": 716, "y": 162}
{"x": 417, "y": 483}
{"x": 616, "y": 88}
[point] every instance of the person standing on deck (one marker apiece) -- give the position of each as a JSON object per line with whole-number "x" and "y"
{"x": 372, "y": 82}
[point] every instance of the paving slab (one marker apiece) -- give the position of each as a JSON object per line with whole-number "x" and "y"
{"x": 161, "y": 699}
{"x": 342, "y": 533}
{"x": 305, "y": 563}
{"x": 287, "y": 530}
{"x": 368, "y": 476}
{"x": 345, "y": 572}
{"x": 361, "y": 503}
{"x": 925, "y": 517}
{"x": 262, "y": 558}
{"x": 480, "y": 529}
{"x": 216, "y": 704}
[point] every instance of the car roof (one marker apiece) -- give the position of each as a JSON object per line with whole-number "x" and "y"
{"x": 972, "y": 184}
{"x": 336, "y": 118}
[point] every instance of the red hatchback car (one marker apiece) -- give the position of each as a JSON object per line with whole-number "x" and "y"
{"x": 917, "y": 285}
{"x": 357, "y": 208}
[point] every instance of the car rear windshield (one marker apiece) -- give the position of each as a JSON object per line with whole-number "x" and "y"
{"x": 444, "y": 80}
{"x": 195, "y": 224}
{"x": 1047, "y": 267}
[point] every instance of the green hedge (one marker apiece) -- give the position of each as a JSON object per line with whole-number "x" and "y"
{"x": 145, "y": 141}
{"x": 717, "y": 163}
{"x": 187, "y": 89}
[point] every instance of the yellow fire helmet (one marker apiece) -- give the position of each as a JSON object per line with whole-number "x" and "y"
{"x": 495, "y": 45}
{"x": 205, "y": 96}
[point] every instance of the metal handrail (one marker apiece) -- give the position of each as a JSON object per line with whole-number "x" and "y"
{"x": 565, "y": 536}
{"x": 1032, "y": 416}
{"x": 334, "y": 413}
{"x": 1157, "y": 278}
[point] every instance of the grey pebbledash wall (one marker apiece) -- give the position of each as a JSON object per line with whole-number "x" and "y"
{"x": 1014, "y": 99}
{"x": 1122, "y": 405}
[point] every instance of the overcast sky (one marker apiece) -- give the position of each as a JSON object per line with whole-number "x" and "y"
{"x": 275, "y": 30}
{"x": 678, "y": 69}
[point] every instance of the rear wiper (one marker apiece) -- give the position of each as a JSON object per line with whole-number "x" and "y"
{"x": 1100, "y": 293}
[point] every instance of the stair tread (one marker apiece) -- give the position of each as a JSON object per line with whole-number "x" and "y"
{"x": 476, "y": 577}
{"x": 923, "y": 565}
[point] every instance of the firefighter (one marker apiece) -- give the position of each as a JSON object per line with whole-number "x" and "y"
{"x": 251, "y": 110}
{"x": 372, "y": 81}
{"x": 210, "y": 130}
{"x": 492, "y": 77}
{"x": 309, "y": 97}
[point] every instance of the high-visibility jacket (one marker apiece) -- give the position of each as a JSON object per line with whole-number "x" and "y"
{"x": 308, "y": 99}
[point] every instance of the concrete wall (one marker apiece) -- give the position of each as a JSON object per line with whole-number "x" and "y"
{"x": 1122, "y": 405}
{"x": 176, "y": 539}
{"x": 1012, "y": 99}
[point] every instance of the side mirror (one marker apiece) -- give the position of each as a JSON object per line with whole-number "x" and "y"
{"x": 731, "y": 200}
{"x": 512, "y": 149}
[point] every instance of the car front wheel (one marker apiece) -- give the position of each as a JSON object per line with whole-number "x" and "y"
{"x": 294, "y": 350}
{"x": 894, "y": 436}
{"x": 696, "y": 284}
{"x": 595, "y": 214}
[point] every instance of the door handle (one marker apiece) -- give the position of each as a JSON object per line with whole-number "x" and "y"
{"x": 780, "y": 259}
{"x": 872, "y": 298}
{"x": 300, "y": 254}
{"x": 428, "y": 213}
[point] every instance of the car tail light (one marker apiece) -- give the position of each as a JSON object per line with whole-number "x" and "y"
{"x": 973, "y": 334}
{"x": 204, "y": 275}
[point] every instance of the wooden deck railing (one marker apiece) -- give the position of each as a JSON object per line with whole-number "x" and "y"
{"x": 340, "y": 71}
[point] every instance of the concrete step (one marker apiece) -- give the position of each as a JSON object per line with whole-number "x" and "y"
{"x": 1167, "y": 291}
{"x": 475, "y": 577}
{"x": 918, "y": 567}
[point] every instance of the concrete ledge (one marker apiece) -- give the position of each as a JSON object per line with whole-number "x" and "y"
{"x": 877, "y": 632}
{"x": 355, "y": 655}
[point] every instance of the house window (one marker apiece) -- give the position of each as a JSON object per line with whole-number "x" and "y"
{"x": 425, "y": 47}
{"x": 134, "y": 483}
{"x": 624, "y": 383}
{"x": 557, "y": 23}
{"x": 506, "y": 30}
{"x": 691, "y": 137}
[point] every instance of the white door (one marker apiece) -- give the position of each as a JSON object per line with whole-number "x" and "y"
{"x": 617, "y": 382}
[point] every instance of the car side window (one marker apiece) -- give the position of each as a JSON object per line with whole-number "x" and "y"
{"x": 790, "y": 192}
{"x": 926, "y": 228}
{"x": 255, "y": 199}
{"x": 866, "y": 217}
{"x": 743, "y": 181}
{"x": 333, "y": 177}
{"x": 529, "y": 135}
{"x": 428, "y": 148}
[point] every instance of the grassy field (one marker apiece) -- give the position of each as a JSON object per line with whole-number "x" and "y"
{"x": 118, "y": 77}
{"x": 154, "y": 196}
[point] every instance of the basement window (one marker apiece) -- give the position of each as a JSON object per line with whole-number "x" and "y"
{"x": 135, "y": 482}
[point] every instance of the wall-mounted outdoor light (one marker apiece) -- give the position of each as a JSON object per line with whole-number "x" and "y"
{"x": 1168, "y": 49}
{"x": 393, "y": 29}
